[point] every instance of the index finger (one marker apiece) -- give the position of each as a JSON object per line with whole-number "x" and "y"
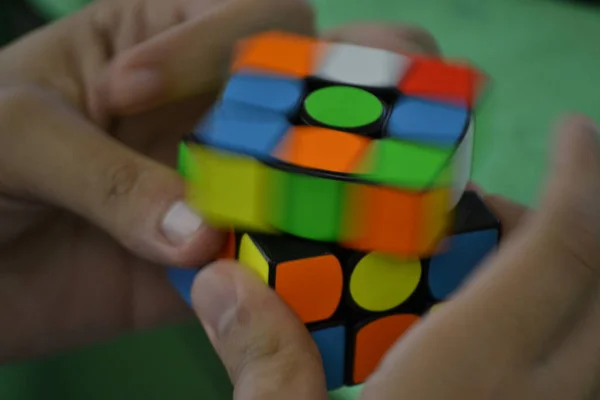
{"x": 192, "y": 58}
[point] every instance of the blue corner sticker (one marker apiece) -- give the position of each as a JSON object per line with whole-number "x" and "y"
{"x": 448, "y": 270}
{"x": 182, "y": 279}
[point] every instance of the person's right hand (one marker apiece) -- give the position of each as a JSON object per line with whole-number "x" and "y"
{"x": 525, "y": 327}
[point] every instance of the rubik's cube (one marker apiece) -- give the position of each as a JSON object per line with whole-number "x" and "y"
{"x": 342, "y": 171}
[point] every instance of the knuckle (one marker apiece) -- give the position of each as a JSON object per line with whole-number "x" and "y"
{"x": 268, "y": 348}
{"x": 122, "y": 179}
{"x": 248, "y": 349}
{"x": 273, "y": 353}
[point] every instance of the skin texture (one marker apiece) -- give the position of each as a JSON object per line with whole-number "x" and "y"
{"x": 91, "y": 110}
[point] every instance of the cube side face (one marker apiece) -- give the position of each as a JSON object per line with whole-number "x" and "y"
{"x": 301, "y": 134}
{"x": 357, "y": 305}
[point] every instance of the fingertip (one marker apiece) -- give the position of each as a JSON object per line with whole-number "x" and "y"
{"x": 578, "y": 148}
{"x": 572, "y": 128}
{"x": 214, "y": 299}
{"x": 230, "y": 270}
{"x": 245, "y": 277}
{"x": 577, "y": 121}
{"x": 391, "y": 37}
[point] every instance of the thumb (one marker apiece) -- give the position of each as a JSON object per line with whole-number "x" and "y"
{"x": 266, "y": 349}
{"x": 60, "y": 158}
{"x": 570, "y": 210}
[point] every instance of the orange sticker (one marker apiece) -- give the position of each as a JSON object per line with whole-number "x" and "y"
{"x": 312, "y": 287}
{"x": 385, "y": 219}
{"x": 277, "y": 52}
{"x": 322, "y": 149}
{"x": 395, "y": 221}
{"x": 374, "y": 340}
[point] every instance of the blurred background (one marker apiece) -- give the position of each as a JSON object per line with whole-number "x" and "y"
{"x": 543, "y": 57}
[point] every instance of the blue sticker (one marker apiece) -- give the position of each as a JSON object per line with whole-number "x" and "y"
{"x": 274, "y": 93}
{"x": 182, "y": 279}
{"x": 331, "y": 343}
{"x": 243, "y": 129}
{"x": 427, "y": 122}
{"x": 448, "y": 270}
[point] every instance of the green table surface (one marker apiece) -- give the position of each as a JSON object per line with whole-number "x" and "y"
{"x": 543, "y": 57}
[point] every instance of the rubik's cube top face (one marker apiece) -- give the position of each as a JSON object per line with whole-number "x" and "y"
{"x": 334, "y": 142}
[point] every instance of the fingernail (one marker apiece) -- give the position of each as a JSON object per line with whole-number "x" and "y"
{"x": 215, "y": 300}
{"x": 136, "y": 88}
{"x": 180, "y": 223}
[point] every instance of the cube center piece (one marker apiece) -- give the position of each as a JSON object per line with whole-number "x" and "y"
{"x": 345, "y": 108}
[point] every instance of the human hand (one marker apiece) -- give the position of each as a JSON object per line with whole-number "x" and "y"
{"x": 91, "y": 111}
{"x": 525, "y": 326}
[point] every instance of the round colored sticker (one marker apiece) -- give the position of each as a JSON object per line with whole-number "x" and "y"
{"x": 343, "y": 106}
{"x": 380, "y": 282}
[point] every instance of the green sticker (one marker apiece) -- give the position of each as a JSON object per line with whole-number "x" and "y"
{"x": 408, "y": 165}
{"x": 306, "y": 206}
{"x": 343, "y": 106}
{"x": 183, "y": 160}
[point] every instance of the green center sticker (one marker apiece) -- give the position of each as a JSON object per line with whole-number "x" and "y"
{"x": 343, "y": 106}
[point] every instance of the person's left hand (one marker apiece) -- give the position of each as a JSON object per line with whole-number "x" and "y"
{"x": 91, "y": 111}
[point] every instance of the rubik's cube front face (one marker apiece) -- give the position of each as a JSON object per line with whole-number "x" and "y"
{"x": 335, "y": 143}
